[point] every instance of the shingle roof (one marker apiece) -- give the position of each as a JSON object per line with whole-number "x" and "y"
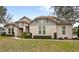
{"x": 10, "y": 24}
{"x": 62, "y": 22}
{"x": 54, "y": 19}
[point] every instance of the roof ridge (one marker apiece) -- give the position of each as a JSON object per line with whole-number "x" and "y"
{"x": 24, "y": 17}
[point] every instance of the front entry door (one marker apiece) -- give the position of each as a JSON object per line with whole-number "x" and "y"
{"x": 55, "y": 35}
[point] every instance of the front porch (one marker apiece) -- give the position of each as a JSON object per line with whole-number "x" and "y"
{"x": 24, "y": 29}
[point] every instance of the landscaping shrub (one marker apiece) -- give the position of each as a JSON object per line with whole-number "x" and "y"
{"x": 60, "y": 38}
{"x": 76, "y": 38}
{"x": 66, "y": 38}
{"x": 42, "y": 37}
{"x": 30, "y": 35}
{"x": 25, "y": 35}
{"x": 9, "y": 35}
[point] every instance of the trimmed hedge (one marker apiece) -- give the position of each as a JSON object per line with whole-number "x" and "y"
{"x": 9, "y": 35}
{"x": 60, "y": 38}
{"x": 66, "y": 38}
{"x": 42, "y": 37}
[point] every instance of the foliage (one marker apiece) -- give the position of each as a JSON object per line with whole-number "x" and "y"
{"x": 42, "y": 37}
{"x": 78, "y": 31}
{"x": 25, "y": 35}
{"x": 75, "y": 30}
{"x": 70, "y": 13}
{"x": 66, "y": 38}
{"x": 60, "y": 38}
{"x": 3, "y": 34}
{"x": 9, "y": 35}
{"x": 3, "y": 12}
{"x": 4, "y": 17}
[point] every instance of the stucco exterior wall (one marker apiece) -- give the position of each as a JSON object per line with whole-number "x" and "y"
{"x": 16, "y": 30}
{"x": 68, "y": 31}
{"x": 50, "y": 28}
{"x": 6, "y": 30}
{"x": 23, "y": 25}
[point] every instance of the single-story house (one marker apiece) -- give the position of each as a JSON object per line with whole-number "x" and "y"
{"x": 41, "y": 26}
{"x": 2, "y": 30}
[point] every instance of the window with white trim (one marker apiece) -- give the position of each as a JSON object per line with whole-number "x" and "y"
{"x": 39, "y": 29}
{"x": 42, "y": 30}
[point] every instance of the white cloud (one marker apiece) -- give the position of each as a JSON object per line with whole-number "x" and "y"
{"x": 47, "y": 9}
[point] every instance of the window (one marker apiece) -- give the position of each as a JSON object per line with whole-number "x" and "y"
{"x": 63, "y": 30}
{"x": 39, "y": 29}
{"x": 12, "y": 30}
{"x": 42, "y": 30}
{"x": 9, "y": 30}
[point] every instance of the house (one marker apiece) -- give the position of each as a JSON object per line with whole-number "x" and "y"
{"x": 41, "y": 26}
{"x": 18, "y": 27}
{"x": 2, "y": 30}
{"x": 50, "y": 26}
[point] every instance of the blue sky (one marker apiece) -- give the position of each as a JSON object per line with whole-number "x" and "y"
{"x": 28, "y": 11}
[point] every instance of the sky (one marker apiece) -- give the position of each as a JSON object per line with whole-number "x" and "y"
{"x": 28, "y": 11}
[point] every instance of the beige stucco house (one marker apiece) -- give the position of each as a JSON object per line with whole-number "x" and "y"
{"x": 41, "y": 26}
{"x": 18, "y": 27}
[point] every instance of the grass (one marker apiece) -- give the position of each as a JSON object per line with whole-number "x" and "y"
{"x": 9, "y": 44}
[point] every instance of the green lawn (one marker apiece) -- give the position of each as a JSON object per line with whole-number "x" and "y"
{"x": 42, "y": 45}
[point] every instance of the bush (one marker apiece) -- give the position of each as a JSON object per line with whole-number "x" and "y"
{"x": 9, "y": 35}
{"x": 3, "y": 34}
{"x": 65, "y": 37}
{"x": 60, "y": 38}
{"x": 42, "y": 37}
{"x": 76, "y": 38}
{"x": 25, "y": 35}
{"x": 30, "y": 35}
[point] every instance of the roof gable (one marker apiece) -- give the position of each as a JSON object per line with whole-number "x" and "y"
{"x": 13, "y": 24}
{"x": 24, "y": 20}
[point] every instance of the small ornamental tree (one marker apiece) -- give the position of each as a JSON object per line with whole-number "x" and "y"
{"x": 78, "y": 31}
